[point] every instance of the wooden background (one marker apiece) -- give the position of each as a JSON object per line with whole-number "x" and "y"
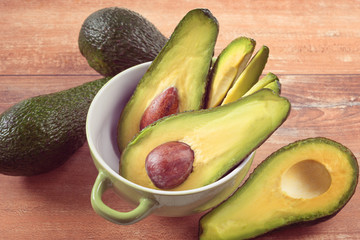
{"x": 314, "y": 49}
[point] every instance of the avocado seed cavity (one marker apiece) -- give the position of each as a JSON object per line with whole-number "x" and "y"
{"x": 306, "y": 179}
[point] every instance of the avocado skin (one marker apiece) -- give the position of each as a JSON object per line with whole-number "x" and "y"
{"x": 40, "y": 133}
{"x": 352, "y": 161}
{"x": 114, "y": 39}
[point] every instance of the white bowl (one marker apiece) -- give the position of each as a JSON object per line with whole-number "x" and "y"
{"x": 101, "y": 130}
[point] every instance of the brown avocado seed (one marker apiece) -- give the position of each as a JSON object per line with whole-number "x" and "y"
{"x": 169, "y": 164}
{"x": 163, "y": 105}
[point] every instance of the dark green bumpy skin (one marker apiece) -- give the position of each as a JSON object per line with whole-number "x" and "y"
{"x": 114, "y": 39}
{"x": 41, "y": 133}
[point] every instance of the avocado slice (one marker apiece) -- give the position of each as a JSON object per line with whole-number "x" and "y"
{"x": 220, "y": 137}
{"x": 248, "y": 77}
{"x": 263, "y": 82}
{"x": 113, "y": 39}
{"x": 306, "y": 181}
{"x": 183, "y": 64}
{"x": 228, "y": 65}
{"x": 275, "y": 86}
{"x": 40, "y": 133}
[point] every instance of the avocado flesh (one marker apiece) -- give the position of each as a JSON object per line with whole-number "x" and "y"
{"x": 40, "y": 133}
{"x": 220, "y": 137}
{"x": 229, "y": 64}
{"x": 275, "y": 86}
{"x": 248, "y": 77}
{"x": 307, "y": 180}
{"x": 183, "y": 63}
{"x": 263, "y": 82}
{"x": 114, "y": 39}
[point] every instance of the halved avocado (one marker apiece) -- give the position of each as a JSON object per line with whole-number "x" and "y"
{"x": 229, "y": 64}
{"x": 220, "y": 137}
{"x": 248, "y": 77}
{"x": 306, "y": 181}
{"x": 183, "y": 63}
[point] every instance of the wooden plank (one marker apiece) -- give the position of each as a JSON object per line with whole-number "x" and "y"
{"x": 40, "y": 37}
{"x": 323, "y": 105}
{"x": 16, "y": 88}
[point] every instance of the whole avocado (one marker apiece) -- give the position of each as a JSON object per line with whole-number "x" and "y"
{"x": 40, "y": 133}
{"x": 114, "y": 39}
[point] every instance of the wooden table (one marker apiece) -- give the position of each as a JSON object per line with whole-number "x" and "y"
{"x": 314, "y": 49}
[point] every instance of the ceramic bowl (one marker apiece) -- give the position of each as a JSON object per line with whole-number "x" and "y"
{"x": 101, "y": 130}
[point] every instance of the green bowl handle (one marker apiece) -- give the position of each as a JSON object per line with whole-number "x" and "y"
{"x": 102, "y": 183}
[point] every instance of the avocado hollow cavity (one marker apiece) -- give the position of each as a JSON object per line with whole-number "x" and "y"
{"x": 306, "y": 179}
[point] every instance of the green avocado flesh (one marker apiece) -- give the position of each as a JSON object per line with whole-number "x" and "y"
{"x": 275, "y": 86}
{"x": 248, "y": 77}
{"x": 40, "y": 133}
{"x": 114, "y": 39}
{"x": 183, "y": 63}
{"x": 228, "y": 65}
{"x": 263, "y": 82}
{"x": 220, "y": 137}
{"x": 306, "y": 181}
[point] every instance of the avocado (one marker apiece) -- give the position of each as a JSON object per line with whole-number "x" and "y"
{"x": 275, "y": 86}
{"x": 40, "y": 133}
{"x": 114, "y": 39}
{"x": 228, "y": 65}
{"x": 263, "y": 82}
{"x": 248, "y": 77}
{"x": 181, "y": 67}
{"x": 220, "y": 138}
{"x": 304, "y": 182}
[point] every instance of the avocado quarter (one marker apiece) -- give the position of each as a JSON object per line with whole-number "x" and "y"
{"x": 40, "y": 133}
{"x": 113, "y": 39}
{"x": 227, "y": 67}
{"x": 220, "y": 137}
{"x": 249, "y": 77}
{"x": 275, "y": 86}
{"x": 270, "y": 81}
{"x": 304, "y": 182}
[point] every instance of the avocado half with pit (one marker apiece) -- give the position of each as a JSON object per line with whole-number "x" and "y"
{"x": 178, "y": 72}
{"x": 303, "y": 182}
{"x": 220, "y": 138}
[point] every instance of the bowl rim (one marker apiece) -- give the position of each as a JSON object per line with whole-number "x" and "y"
{"x": 99, "y": 159}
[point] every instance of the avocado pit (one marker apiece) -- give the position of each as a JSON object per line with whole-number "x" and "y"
{"x": 163, "y": 105}
{"x": 169, "y": 164}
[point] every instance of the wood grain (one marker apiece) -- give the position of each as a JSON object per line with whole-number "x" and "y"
{"x": 304, "y": 37}
{"x": 313, "y": 49}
